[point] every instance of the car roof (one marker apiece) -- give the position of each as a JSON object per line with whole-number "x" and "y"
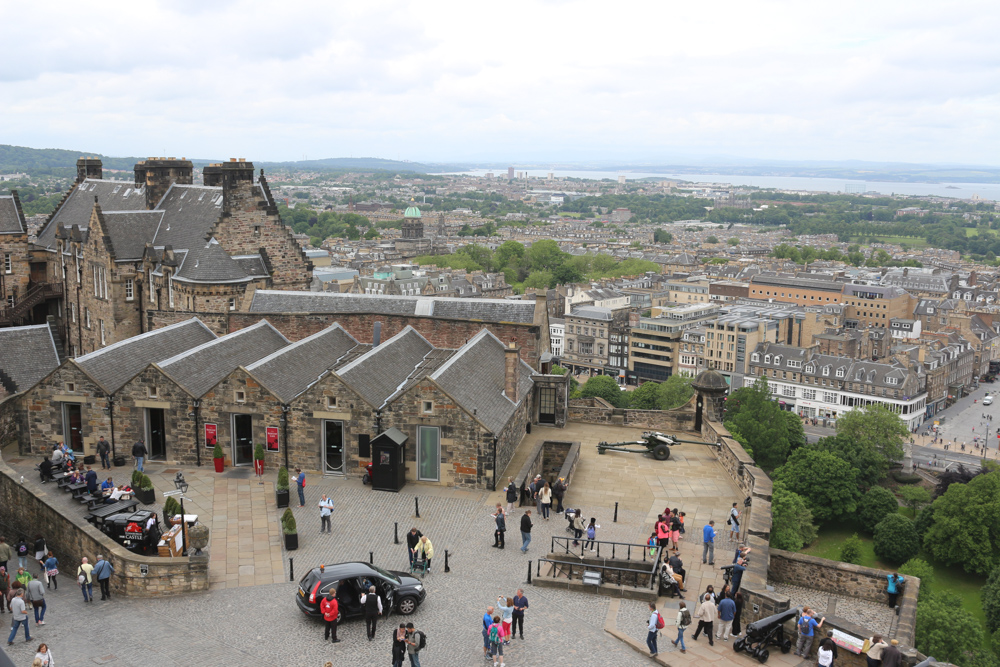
{"x": 343, "y": 570}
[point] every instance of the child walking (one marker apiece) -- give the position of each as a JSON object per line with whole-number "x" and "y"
{"x": 591, "y": 534}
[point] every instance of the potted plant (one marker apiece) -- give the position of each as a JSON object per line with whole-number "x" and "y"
{"x": 258, "y": 459}
{"x": 136, "y": 479}
{"x": 218, "y": 458}
{"x": 290, "y": 531}
{"x": 281, "y": 488}
{"x": 145, "y": 493}
{"x": 171, "y": 508}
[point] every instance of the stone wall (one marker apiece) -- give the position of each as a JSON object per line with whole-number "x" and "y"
{"x": 152, "y": 389}
{"x": 329, "y": 400}
{"x": 44, "y": 405}
{"x": 598, "y": 411}
{"x": 752, "y": 481}
{"x": 71, "y": 539}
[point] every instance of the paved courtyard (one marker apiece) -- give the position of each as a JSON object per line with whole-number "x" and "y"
{"x": 249, "y": 614}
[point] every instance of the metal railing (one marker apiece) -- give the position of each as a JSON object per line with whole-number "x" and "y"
{"x": 610, "y": 574}
{"x": 612, "y": 550}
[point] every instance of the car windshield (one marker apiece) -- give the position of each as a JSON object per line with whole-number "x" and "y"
{"x": 387, "y": 575}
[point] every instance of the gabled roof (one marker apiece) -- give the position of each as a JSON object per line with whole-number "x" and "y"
{"x": 129, "y": 231}
{"x": 76, "y": 209}
{"x": 199, "y": 369}
{"x": 294, "y": 368}
{"x": 27, "y": 354}
{"x": 11, "y": 221}
{"x": 382, "y": 371}
{"x": 475, "y": 376}
{"x": 116, "y": 364}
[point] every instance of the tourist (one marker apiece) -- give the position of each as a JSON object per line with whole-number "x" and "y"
{"x": 807, "y": 627}
{"x": 653, "y": 629}
{"x": 57, "y": 456}
{"x": 677, "y": 565}
{"x": 710, "y": 590}
{"x": 399, "y": 646}
{"x": 20, "y": 613}
{"x": 675, "y": 529}
{"x": 683, "y": 621}
{"x": 103, "y": 570}
{"x": 36, "y": 594}
{"x": 727, "y": 612}
{"x": 40, "y": 549}
{"x": 577, "y": 528}
{"x": 45, "y": 470}
{"x": 23, "y": 576}
{"x": 325, "y": 511}
{"x": 414, "y": 638}
{"x": 669, "y": 570}
{"x": 330, "y": 609}
{"x": 891, "y": 655}
{"x": 706, "y": 614}
{"x": 4, "y": 589}
{"x": 738, "y": 569}
{"x": 426, "y": 552}
{"x": 558, "y": 491}
{"x": 51, "y": 566}
{"x": 104, "y": 450}
{"x": 43, "y": 657}
{"x": 734, "y": 523}
{"x": 536, "y": 493}
{"x": 107, "y": 486}
{"x": 91, "y": 479}
{"x": 511, "y": 495}
{"x": 545, "y": 500}
{"x": 738, "y": 601}
{"x": 651, "y": 543}
{"x": 662, "y": 535}
{"x": 84, "y": 578}
{"x": 893, "y": 588}
{"x": 525, "y": 531}
{"x": 501, "y": 522}
{"x": 487, "y": 621}
{"x": 372, "y": 604}
{"x": 139, "y": 454}
{"x": 874, "y": 655}
{"x": 6, "y": 553}
{"x": 506, "y": 607}
{"x": 495, "y": 636}
{"x": 591, "y": 534}
{"x": 827, "y": 651}
{"x": 520, "y": 604}
{"x": 412, "y": 538}
{"x": 300, "y": 486}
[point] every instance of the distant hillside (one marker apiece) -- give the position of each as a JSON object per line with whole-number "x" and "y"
{"x": 54, "y": 161}
{"x": 355, "y": 164}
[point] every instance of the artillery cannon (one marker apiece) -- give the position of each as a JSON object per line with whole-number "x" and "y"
{"x": 654, "y": 442}
{"x": 769, "y": 631}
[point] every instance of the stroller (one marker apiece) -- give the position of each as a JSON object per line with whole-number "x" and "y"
{"x": 570, "y": 514}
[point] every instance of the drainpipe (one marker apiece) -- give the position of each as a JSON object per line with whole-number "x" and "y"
{"x": 494, "y": 485}
{"x": 197, "y": 436}
{"x": 285, "y": 414}
{"x": 111, "y": 415}
{"x": 138, "y": 290}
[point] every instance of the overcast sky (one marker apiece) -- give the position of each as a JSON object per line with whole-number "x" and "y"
{"x": 660, "y": 81}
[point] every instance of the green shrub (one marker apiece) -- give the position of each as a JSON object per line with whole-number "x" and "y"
{"x": 146, "y": 484}
{"x": 903, "y": 478}
{"x": 171, "y": 508}
{"x": 288, "y": 522}
{"x": 136, "y": 479}
{"x": 282, "y": 478}
{"x": 217, "y": 452}
{"x": 850, "y": 552}
{"x": 922, "y": 570}
{"x": 258, "y": 452}
{"x": 875, "y": 505}
{"x": 895, "y": 539}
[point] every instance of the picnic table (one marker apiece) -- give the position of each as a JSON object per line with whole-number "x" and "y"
{"x": 97, "y": 516}
{"x": 77, "y": 489}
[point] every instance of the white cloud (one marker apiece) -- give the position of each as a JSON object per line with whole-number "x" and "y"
{"x": 908, "y": 81}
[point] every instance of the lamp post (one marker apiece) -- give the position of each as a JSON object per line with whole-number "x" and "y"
{"x": 182, "y": 486}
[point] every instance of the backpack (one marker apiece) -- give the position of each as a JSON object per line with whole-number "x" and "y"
{"x": 422, "y": 644}
{"x": 494, "y": 634}
{"x": 22, "y": 549}
{"x": 685, "y": 617}
{"x": 591, "y": 532}
{"x": 659, "y": 621}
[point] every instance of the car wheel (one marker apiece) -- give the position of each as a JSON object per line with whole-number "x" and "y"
{"x": 407, "y": 606}
{"x": 340, "y": 617}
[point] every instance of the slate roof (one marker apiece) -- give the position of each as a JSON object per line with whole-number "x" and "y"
{"x": 485, "y": 310}
{"x": 206, "y": 261}
{"x": 252, "y": 265}
{"x": 27, "y": 354}
{"x": 383, "y": 370}
{"x": 129, "y": 231}
{"x": 294, "y": 368}
{"x": 476, "y": 377}
{"x": 111, "y": 195}
{"x": 202, "y": 367}
{"x": 116, "y": 364}
{"x": 10, "y": 221}
{"x": 593, "y": 313}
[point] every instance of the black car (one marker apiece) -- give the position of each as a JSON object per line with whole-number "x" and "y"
{"x": 399, "y": 591}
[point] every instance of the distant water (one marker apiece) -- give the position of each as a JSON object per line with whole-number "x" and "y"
{"x": 963, "y": 191}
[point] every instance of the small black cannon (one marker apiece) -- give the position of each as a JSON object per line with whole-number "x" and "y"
{"x": 766, "y": 632}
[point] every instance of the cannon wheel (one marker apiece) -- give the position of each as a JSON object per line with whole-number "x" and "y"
{"x": 739, "y": 645}
{"x": 661, "y": 452}
{"x": 762, "y": 656}
{"x": 786, "y": 646}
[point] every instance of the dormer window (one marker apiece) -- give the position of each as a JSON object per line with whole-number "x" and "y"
{"x": 891, "y": 380}
{"x": 767, "y": 358}
{"x": 871, "y": 377}
{"x": 810, "y": 369}
{"x": 777, "y": 359}
{"x": 755, "y": 357}
{"x": 826, "y": 371}
{"x": 841, "y": 372}
{"x": 860, "y": 376}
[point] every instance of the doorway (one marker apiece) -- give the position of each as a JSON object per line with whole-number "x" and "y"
{"x": 156, "y": 434}
{"x": 428, "y": 453}
{"x": 73, "y": 426}
{"x": 333, "y": 447}
{"x": 547, "y": 405}
{"x": 242, "y": 440}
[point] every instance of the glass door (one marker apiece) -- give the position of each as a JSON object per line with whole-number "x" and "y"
{"x": 428, "y": 453}
{"x": 547, "y": 405}
{"x": 73, "y": 427}
{"x": 333, "y": 447}
{"x": 242, "y": 440}
{"x": 156, "y": 436}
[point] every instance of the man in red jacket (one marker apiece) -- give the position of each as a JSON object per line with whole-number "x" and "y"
{"x": 330, "y": 609}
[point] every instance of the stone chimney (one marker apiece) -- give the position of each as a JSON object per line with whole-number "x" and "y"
{"x": 228, "y": 174}
{"x": 157, "y": 174}
{"x": 89, "y": 167}
{"x": 512, "y": 357}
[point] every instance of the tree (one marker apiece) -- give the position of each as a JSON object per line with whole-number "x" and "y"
{"x": 751, "y": 412}
{"x": 915, "y": 497}
{"x": 479, "y": 254}
{"x": 895, "y": 539}
{"x": 660, "y": 236}
{"x": 545, "y": 255}
{"x": 540, "y": 280}
{"x": 675, "y": 392}
{"x": 946, "y": 630}
{"x": 573, "y": 384}
{"x": 510, "y": 253}
{"x": 922, "y": 570}
{"x": 825, "y": 481}
{"x": 372, "y": 233}
{"x": 602, "y": 386}
{"x": 965, "y": 529}
{"x": 645, "y": 397}
{"x": 869, "y": 463}
{"x": 850, "y": 551}
{"x": 879, "y": 426}
{"x": 990, "y": 596}
{"x": 791, "y": 521}
{"x": 712, "y": 239}
{"x": 733, "y": 241}
{"x": 875, "y": 505}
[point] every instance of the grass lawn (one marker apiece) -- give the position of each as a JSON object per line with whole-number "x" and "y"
{"x": 911, "y": 241}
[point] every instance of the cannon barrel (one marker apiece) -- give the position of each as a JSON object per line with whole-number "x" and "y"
{"x": 766, "y": 624}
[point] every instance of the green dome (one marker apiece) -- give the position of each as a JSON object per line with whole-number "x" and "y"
{"x": 412, "y": 212}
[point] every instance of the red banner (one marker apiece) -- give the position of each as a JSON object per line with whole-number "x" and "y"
{"x": 272, "y": 438}
{"x": 210, "y": 435}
